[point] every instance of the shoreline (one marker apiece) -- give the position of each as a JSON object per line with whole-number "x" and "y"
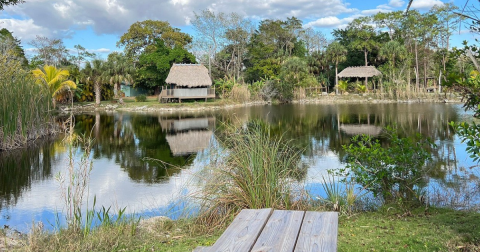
{"x": 154, "y": 106}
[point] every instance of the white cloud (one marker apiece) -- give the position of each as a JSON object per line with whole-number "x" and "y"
{"x": 25, "y": 30}
{"x": 116, "y": 16}
{"x": 325, "y": 22}
{"x": 396, "y": 3}
{"x": 425, "y": 4}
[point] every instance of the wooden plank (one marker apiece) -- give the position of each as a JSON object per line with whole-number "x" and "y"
{"x": 280, "y": 233}
{"x": 318, "y": 232}
{"x": 243, "y": 232}
{"x": 201, "y": 249}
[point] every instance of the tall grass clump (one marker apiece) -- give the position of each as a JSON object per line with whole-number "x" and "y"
{"x": 24, "y": 105}
{"x": 256, "y": 170}
{"x": 240, "y": 93}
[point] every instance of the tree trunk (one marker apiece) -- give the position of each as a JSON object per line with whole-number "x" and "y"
{"x": 336, "y": 79}
{"x": 417, "y": 81}
{"x": 98, "y": 95}
{"x": 366, "y": 53}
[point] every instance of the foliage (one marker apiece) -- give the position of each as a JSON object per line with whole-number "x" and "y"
{"x": 4, "y": 3}
{"x": 393, "y": 172}
{"x": 142, "y": 37}
{"x": 50, "y": 51}
{"x": 8, "y": 42}
{"x": 154, "y": 67}
{"x": 223, "y": 87}
{"x": 95, "y": 72}
{"x": 270, "y": 45}
{"x": 470, "y": 90}
{"x": 140, "y": 98}
{"x": 56, "y": 80}
{"x": 342, "y": 86}
{"x": 470, "y": 134}
{"x": 361, "y": 88}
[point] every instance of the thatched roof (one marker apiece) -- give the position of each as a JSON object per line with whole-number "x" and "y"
{"x": 360, "y": 72}
{"x": 360, "y": 129}
{"x": 189, "y": 142}
{"x": 189, "y": 75}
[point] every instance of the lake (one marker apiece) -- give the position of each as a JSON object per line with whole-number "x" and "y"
{"x": 148, "y": 162}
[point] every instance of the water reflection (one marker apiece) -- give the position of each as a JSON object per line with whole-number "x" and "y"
{"x": 187, "y": 136}
{"x": 18, "y": 168}
{"x": 123, "y": 140}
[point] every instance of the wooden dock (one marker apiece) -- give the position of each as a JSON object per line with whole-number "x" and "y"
{"x": 263, "y": 230}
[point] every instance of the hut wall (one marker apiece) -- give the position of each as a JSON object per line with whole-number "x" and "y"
{"x": 198, "y": 123}
{"x": 131, "y": 91}
{"x": 191, "y": 92}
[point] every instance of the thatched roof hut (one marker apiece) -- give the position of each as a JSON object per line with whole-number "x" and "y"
{"x": 359, "y": 72}
{"x": 189, "y": 142}
{"x": 189, "y": 75}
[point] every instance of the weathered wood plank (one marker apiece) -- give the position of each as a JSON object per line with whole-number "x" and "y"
{"x": 243, "y": 232}
{"x": 280, "y": 233}
{"x": 201, "y": 249}
{"x": 318, "y": 232}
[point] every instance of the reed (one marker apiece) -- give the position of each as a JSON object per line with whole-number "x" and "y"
{"x": 24, "y": 106}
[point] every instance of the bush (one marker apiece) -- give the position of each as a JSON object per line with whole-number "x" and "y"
{"x": 140, "y": 98}
{"x": 394, "y": 172}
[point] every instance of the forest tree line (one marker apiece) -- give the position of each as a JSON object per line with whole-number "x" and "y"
{"x": 273, "y": 58}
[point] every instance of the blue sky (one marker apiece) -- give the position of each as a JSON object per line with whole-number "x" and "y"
{"x": 98, "y": 24}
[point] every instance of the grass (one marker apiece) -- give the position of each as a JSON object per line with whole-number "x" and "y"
{"x": 256, "y": 171}
{"x": 418, "y": 230}
{"x": 385, "y": 230}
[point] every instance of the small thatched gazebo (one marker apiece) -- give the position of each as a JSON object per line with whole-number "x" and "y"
{"x": 187, "y": 81}
{"x": 359, "y": 72}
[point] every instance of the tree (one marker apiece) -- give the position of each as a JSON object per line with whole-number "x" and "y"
{"x": 363, "y": 36}
{"x": 50, "y": 51}
{"x": 56, "y": 80}
{"x": 211, "y": 29}
{"x": 8, "y": 41}
{"x": 4, "y": 3}
{"x": 336, "y": 53}
{"x": 141, "y": 37}
{"x": 154, "y": 66}
{"x": 96, "y": 72}
{"x": 271, "y": 44}
{"x": 393, "y": 52}
{"x": 82, "y": 55}
{"x": 119, "y": 70}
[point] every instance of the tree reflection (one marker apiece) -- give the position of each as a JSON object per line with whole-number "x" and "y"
{"x": 136, "y": 141}
{"x": 19, "y": 168}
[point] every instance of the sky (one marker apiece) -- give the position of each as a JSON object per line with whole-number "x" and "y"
{"x": 98, "y": 24}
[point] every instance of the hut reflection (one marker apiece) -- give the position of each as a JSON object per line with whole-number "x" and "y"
{"x": 187, "y": 136}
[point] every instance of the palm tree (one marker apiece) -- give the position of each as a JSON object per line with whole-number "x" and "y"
{"x": 56, "y": 80}
{"x": 119, "y": 70}
{"x": 96, "y": 72}
{"x": 336, "y": 53}
{"x": 393, "y": 51}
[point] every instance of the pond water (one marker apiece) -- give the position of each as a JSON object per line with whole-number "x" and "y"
{"x": 122, "y": 177}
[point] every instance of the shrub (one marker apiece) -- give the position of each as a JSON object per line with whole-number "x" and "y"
{"x": 394, "y": 172}
{"x": 140, "y": 98}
